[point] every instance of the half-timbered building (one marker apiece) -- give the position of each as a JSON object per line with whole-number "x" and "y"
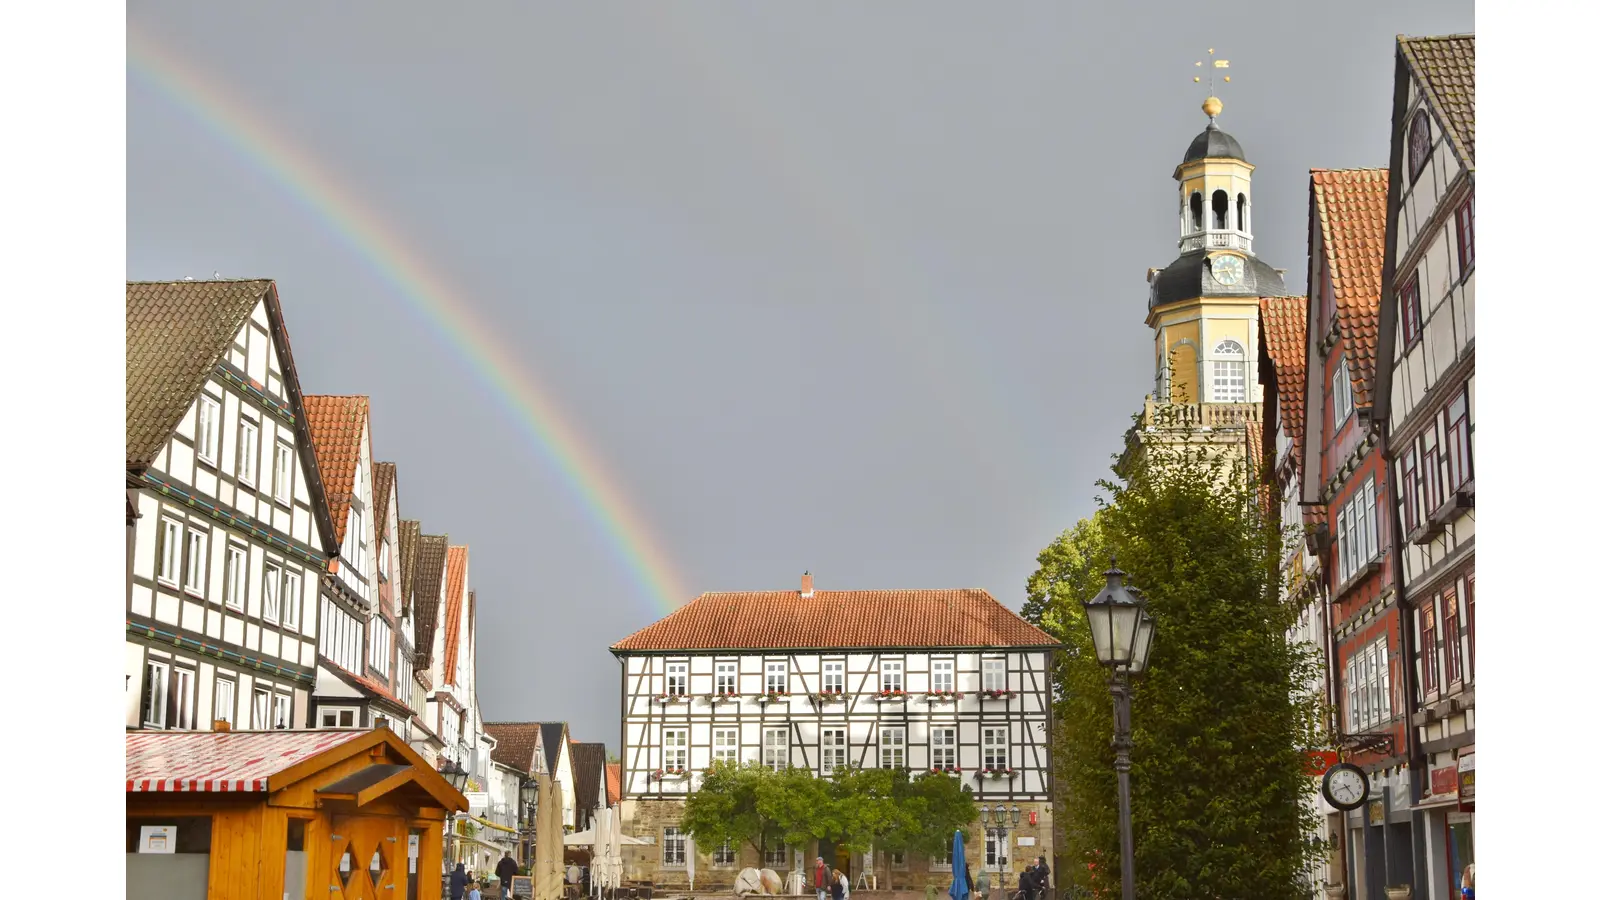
{"x": 425, "y": 737}
{"x": 356, "y": 653}
{"x": 947, "y": 680}
{"x": 1424, "y": 403}
{"x": 231, "y": 525}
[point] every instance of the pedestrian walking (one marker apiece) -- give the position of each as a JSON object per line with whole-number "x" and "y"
{"x": 458, "y": 882}
{"x": 472, "y": 891}
{"x": 506, "y": 870}
{"x": 1041, "y": 878}
{"x": 819, "y": 879}
{"x": 836, "y": 885}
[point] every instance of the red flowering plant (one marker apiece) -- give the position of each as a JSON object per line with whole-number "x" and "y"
{"x": 828, "y": 695}
{"x": 669, "y": 772}
{"x": 671, "y": 698}
{"x": 1000, "y": 694}
{"x": 943, "y": 695}
{"x": 891, "y": 694}
{"x": 719, "y": 696}
{"x": 947, "y": 770}
{"x": 774, "y": 696}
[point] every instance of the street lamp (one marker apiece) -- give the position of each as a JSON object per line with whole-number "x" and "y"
{"x": 457, "y": 776}
{"x": 529, "y": 794}
{"x": 999, "y": 835}
{"x": 1121, "y": 629}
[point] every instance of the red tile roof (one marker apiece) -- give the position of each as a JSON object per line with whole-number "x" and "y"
{"x": 363, "y": 682}
{"x": 220, "y": 760}
{"x": 613, "y": 783}
{"x": 515, "y": 743}
{"x": 1352, "y": 207}
{"x": 867, "y": 619}
{"x": 455, "y": 580}
{"x": 1445, "y": 71}
{"x": 336, "y": 425}
{"x": 1283, "y": 328}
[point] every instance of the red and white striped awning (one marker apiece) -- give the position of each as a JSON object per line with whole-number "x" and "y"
{"x": 220, "y": 760}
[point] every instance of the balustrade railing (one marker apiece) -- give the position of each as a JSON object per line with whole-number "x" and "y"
{"x": 1215, "y": 240}
{"x": 1199, "y": 415}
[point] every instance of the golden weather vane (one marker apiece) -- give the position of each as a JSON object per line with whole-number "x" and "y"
{"x": 1212, "y": 106}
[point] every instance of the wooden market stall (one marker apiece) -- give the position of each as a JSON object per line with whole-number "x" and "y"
{"x": 264, "y": 815}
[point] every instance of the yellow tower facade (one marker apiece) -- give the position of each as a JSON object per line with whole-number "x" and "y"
{"x": 1204, "y": 306}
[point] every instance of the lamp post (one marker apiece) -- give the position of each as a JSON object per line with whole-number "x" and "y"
{"x": 529, "y": 794}
{"x": 1121, "y": 629}
{"x": 999, "y": 834}
{"x": 457, "y": 776}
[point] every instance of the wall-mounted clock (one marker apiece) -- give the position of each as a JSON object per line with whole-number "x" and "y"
{"x": 1345, "y": 786}
{"x": 1227, "y": 270}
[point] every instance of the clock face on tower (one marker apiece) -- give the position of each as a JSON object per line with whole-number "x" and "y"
{"x": 1227, "y": 270}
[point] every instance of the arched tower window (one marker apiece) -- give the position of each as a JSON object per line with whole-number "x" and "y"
{"x": 1197, "y": 211}
{"x": 1227, "y": 373}
{"x": 1219, "y": 210}
{"x": 1244, "y": 218}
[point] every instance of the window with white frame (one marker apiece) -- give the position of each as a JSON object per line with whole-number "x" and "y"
{"x": 194, "y": 568}
{"x": 261, "y": 709}
{"x": 226, "y": 698}
{"x": 380, "y": 638}
{"x": 205, "y": 436}
{"x": 1343, "y": 400}
{"x": 283, "y": 473}
{"x": 291, "y": 599}
{"x": 994, "y": 848}
{"x": 233, "y": 576}
{"x": 271, "y": 588}
{"x": 674, "y": 848}
{"x": 337, "y": 717}
{"x": 775, "y": 748}
{"x": 994, "y": 674}
{"x": 833, "y": 676}
{"x": 1358, "y": 531}
{"x": 280, "y": 711}
{"x": 1368, "y": 702}
{"x": 171, "y": 557}
{"x": 675, "y": 749}
{"x": 383, "y": 559}
{"x": 1227, "y": 373}
{"x": 940, "y": 862}
{"x": 181, "y": 699}
{"x": 154, "y": 712}
{"x": 995, "y": 749}
{"x": 892, "y": 748}
{"x": 777, "y": 676}
{"x": 249, "y": 451}
{"x": 725, "y": 744}
{"x": 677, "y": 678}
{"x": 723, "y": 857}
{"x": 727, "y": 677}
{"x": 340, "y": 638}
{"x": 777, "y": 857}
{"x": 943, "y": 741}
{"x": 834, "y": 755}
{"x": 944, "y": 675}
{"x": 893, "y": 677}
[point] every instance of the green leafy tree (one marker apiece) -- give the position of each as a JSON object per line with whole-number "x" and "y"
{"x": 1219, "y": 719}
{"x": 727, "y": 806}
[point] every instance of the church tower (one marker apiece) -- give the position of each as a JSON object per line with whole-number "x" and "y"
{"x": 1204, "y": 305}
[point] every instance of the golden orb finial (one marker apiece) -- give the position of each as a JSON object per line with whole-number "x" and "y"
{"x": 1211, "y": 107}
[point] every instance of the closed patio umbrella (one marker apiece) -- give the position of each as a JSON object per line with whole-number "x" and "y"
{"x": 959, "y": 889}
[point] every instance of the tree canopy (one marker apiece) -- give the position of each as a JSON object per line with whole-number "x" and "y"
{"x": 1219, "y": 718}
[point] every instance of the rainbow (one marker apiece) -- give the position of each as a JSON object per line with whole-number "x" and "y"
{"x": 442, "y": 308}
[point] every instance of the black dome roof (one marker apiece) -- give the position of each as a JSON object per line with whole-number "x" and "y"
{"x": 1189, "y": 276}
{"x": 1214, "y": 143}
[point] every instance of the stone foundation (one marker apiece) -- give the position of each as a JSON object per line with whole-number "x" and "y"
{"x": 650, "y": 818}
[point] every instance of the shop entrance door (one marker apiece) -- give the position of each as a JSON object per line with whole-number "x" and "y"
{"x": 368, "y": 858}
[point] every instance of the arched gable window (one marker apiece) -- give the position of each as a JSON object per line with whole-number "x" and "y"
{"x": 1219, "y": 210}
{"x": 1197, "y": 211}
{"x": 1244, "y": 218}
{"x": 1419, "y": 143}
{"x": 1227, "y": 373}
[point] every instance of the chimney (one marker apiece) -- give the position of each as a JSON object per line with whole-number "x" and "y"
{"x": 805, "y": 585}
{"x": 221, "y": 725}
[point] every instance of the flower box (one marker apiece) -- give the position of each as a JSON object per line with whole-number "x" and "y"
{"x": 672, "y": 698}
{"x": 664, "y": 774}
{"x": 773, "y": 697}
{"x": 998, "y": 695}
{"x": 943, "y": 696}
{"x": 998, "y": 773}
{"x": 828, "y": 697}
{"x": 721, "y": 698}
{"x": 946, "y": 770}
{"x": 891, "y": 696}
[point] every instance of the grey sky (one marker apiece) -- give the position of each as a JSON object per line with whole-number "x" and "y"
{"x": 854, "y": 288}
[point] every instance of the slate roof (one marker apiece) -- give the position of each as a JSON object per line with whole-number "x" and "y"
{"x": 588, "y": 773}
{"x": 1283, "y": 330}
{"x": 455, "y": 580}
{"x": 875, "y": 619}
{"x": 410, "y": 537}
{"x": 229, "y": 761}
{"x": 382, "y": 485}
{"x": 177, "y": 332}
{"x": 514, "y": 743}
{"x": 553, "y": 732}
{"x": 336, "y": 423}
{"x": 430, "y": 573}
{"x": 1352, "y": 206}
{"x": 1444, "y": 68}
